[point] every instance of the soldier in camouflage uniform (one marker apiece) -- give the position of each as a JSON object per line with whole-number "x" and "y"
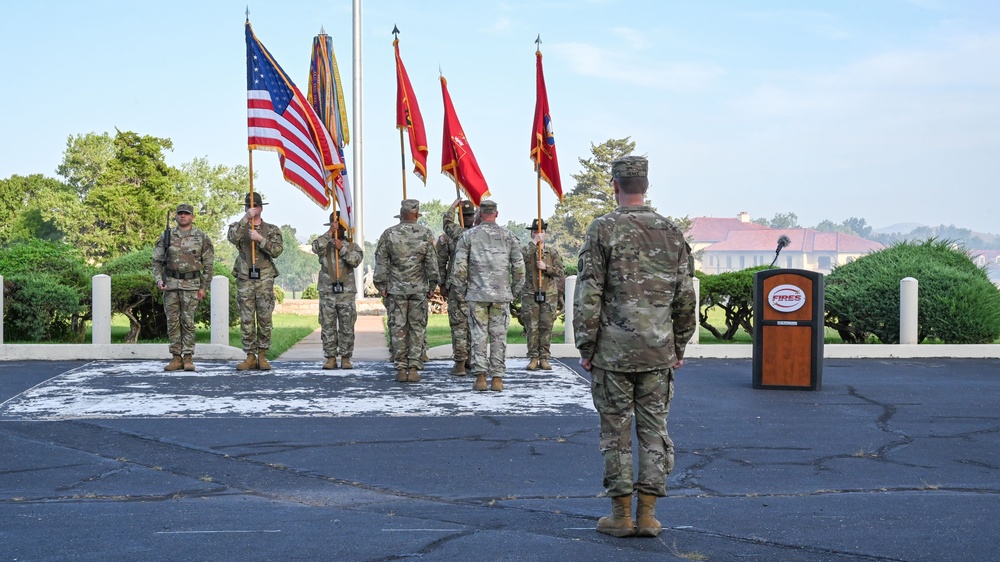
{"x": 255, "y": 297}
{"x": 183, "y": 271}
{"x": 337, "y": 309}
{"x": 458, "y": 310}
{"x": 488, "y": 272}
{"x": 406, "y": 272}
{"x": 634, "y": 314}
{"x": 536, "y": 316}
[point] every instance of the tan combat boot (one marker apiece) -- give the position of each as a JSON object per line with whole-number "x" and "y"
{"x": 458, "y": 369}
{"x": 331, "y": 363}
{"x": 413, "y": 375}
{"x": 645, "y": 516}
{"x": 249, "y": 363}
{"x": 619, "y": 523}
{"x": 262, "y": 363}
{"x": 345, "y": 363}
{"x": 480, "y": 383}
{"x": 176, "y": 364}
{"x": 533, "y": 364}
{"x": 189, "y": 363}
{"x": 401, "y": 375}
{"x": 496, "y": 384}
{"x": 544, "y": 364}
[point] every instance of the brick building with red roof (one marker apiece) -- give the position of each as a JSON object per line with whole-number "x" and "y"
{"x": 722, "y": 245}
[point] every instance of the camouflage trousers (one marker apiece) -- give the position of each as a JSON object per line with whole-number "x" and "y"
{"x": 337, "y": 316}
{"x": 407, "y": 320}
{"x": 489, "y": 321}
{"x": 180, "y": 307}
{"x": 538, "y": 319}
{"x": 645, "y": 397}
{"x": 458, "y": 319}
{"x": 255, "y": 299}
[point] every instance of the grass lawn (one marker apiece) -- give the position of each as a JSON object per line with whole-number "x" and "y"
{"x": 287, "y": 331}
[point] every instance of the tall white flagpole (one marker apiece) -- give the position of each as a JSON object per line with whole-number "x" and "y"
{"x": 359, "y": 143}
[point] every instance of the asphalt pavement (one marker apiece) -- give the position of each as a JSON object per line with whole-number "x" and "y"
{"x": 893, "y": 459}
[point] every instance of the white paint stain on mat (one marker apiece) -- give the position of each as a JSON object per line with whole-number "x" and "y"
{"x": 128, "y": 389}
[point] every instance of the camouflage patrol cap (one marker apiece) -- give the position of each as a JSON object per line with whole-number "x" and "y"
{"x": 408, "y": 206}
{"x": 468, "y": 209}
{"x": 488, "y": 207}
{"x": 185, "y": 208}
{"x": 630, "y": 167}
{"x": 257, "y": 201}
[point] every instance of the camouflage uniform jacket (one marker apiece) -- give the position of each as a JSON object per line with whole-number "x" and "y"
{"x": 554, "y": 275}
{"x": 267, "y": 249}
{"x": 190, "y": 251}
{"x": 635, "y": 303}
{"x": 446, "y": 246}
{"x": 350, "y": 258}
{"x": 488, "y": 266}
{"x": 406, "y": 262}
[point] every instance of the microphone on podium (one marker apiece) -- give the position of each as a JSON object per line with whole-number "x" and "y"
{"x": 782, "y": 242}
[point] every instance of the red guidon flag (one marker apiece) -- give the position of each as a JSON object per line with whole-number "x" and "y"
{"x": 543, "y": 142}
{"x": 457, "y": 160}
{"x": 280, "y": 118}
{"x": 408, "y": 117}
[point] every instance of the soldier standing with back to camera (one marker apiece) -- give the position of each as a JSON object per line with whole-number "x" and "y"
{"x": 488, "y": 272}
{"x": 337, "y": 290}
{"x": 540, "y": 299}
{"x": 257, "y": 246}
{"x": 458, "y": 310}
{"x": 183, "y": 264}
{"x": 406, "y": 272}
{"x": 634, "y": 314}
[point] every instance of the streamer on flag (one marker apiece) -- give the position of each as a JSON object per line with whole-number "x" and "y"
{"x": 408, "y": 117}
{"x": 457, "y": 159}
{"x": 543, "y": 142}
{"x": 280, "y": 119}
{"x": 326, "y": 95}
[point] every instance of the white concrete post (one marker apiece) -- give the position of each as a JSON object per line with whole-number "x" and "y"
{"x": 220, "y": 310}
{"x": 908, "y": 310}
{"x": 100, "y": 323}
{"x": 1, "y": 309}
{"x": 696, "y": 337}
{"x": 570, "y": 292}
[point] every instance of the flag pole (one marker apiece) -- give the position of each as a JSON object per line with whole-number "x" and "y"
{"x": 402, "y": 158}
{"x": 538, "y": 175}
{"x": 253, "y": 245}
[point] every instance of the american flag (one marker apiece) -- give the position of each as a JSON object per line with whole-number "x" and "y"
{"x": 279, "y": 118}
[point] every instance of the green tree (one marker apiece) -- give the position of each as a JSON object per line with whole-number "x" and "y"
{"x": 216, "y": 192}
{"x": 296, "y": 265}
{"x": 430, "y": 215}
{"x": 21, "y": 204}
{"x": 781, "y": 220}
{"x": 123, "y": 208}
{"x": 591, "y": 197}
{"x": 85, "y": 160}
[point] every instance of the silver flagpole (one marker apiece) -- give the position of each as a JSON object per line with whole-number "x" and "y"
{"x": 359, "y": 152}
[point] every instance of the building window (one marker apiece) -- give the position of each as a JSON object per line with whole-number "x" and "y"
{"x": 824, "y": 262}
{"x": 788, "y": 262}
{"x": 980, "y": 260}
{"x": 743, "y": 262}
{"x": 729, "y": 262}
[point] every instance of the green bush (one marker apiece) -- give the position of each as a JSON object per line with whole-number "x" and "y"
{"x": 39, "y": 307}
{"x": 957, "y": 303}
{"x": 47, "y": 262}
{"x": 311, "y": 292}
{"x": 279, "y": 294}
{"x": 733, "y": 293}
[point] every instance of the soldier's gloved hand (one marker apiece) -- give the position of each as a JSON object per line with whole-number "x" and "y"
{"x": 256, "y": 236}
{"x": 541, "y": 265}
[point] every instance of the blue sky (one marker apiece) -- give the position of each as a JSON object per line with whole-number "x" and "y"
{"x": 882, "y": 109}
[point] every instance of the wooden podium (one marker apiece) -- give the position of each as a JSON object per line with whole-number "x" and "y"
{"x": 788, "y": 329}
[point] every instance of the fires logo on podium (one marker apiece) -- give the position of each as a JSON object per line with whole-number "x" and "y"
{"x": 786, "y": 298}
